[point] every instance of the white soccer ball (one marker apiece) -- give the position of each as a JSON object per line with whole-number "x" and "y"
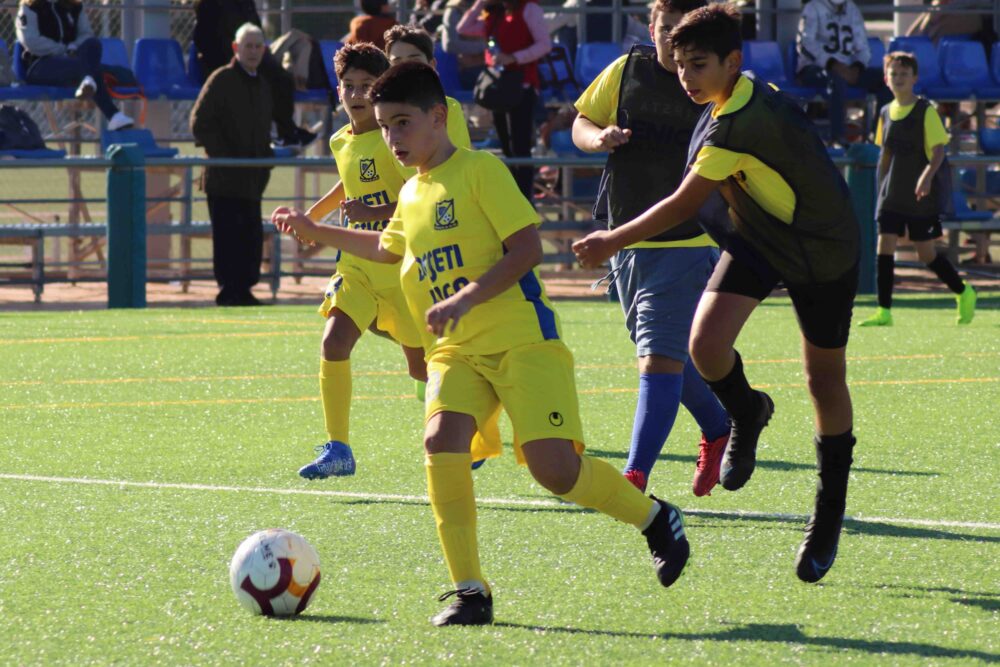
{"x": 274, "y": 573}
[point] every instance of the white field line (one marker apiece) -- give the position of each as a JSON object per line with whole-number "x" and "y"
{"x": 496, "y": 502}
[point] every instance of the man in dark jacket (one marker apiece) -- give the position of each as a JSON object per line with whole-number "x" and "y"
{"x": 232, "y": 118}
{"x": 216, "y": 21}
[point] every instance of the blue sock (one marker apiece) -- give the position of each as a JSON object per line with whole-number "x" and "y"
{"x": 655, "y": 412}
{"x": 703, "y": 405}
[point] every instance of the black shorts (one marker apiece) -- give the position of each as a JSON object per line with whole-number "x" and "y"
{"x": 822, "y": 309}
{"x": 918, "y": 229}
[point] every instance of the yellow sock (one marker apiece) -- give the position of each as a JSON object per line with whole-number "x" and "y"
{"x": 602, "y": 488}
{"x": 449, "y": 485}
{"x": 335, "y": 389}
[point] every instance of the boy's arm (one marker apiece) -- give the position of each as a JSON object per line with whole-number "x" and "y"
{"x": 596, "y": 248}
{"x": 884, "y": 158}
{"x": 358, "y": 242}
{"x": 327, "y": 204}
{"x": 926, "y": 179}
{"x": 524, "y": 252}
{"x": 590, "y": 137}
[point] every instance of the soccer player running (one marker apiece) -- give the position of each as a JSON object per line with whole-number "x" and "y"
{"x": 361, "y": 294}
{"x": 469, "y": 244}
{"x": 637, "y": 111}
{"x": 792, "y": 222}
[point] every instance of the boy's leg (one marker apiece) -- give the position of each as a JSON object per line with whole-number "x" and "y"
{"x": 945, "y": 271}
{"x": 449, "y": 486}
{"x": 733, "y": 293}
{"x": 417, "y": 368}
{"x": 656, "y": 408}
{"x": 713, "y": 421}
{"x": 885, "y": 276}
{"x": 826, "y": 377}
{"x": 340, "y": 335}
{"x": 593, "y": 483}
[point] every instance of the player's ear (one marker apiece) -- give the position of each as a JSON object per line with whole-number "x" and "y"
{"x": 440, "y": 112}
{"x": 235, "y": 46}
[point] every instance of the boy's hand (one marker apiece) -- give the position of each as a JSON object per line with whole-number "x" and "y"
{"x": 356, "y": 211}
{"x": 293, "y": 221}
{"x": 611, "y": 138}
{"x": 924, "y": 184}
{"x": 594, "y": 249}
{"x": 450, "y": 310}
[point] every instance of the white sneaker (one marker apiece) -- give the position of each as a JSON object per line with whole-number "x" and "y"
{"x": 119, "y": 122}
{"x": 86, "y": 89}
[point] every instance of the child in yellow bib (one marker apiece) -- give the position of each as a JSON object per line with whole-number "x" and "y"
{"x": 467, "y": 244}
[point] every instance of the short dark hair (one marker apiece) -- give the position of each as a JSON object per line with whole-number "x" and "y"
{"x": 901, "y": 58}
{"x": 682, "y": 6}
{"x": 373, "y": 7}
{"x": 409, "y": 83}
{"x": 411, "y": 35}
{"x": 714, "y": 28}
{"x": 364, "y": 56}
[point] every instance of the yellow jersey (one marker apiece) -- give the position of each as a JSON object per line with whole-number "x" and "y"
{"x": 449, "y": 228}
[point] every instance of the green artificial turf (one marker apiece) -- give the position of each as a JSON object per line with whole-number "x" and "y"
{"x": 195, "y": 422}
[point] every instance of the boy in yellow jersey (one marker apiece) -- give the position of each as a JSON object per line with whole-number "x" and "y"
{"x": 791, "y": 222}
{"x": 637, "y": 111}
{"x": 469, "y": 244}
{"x": 913, "y": 188}
{"x": 409, "y": 44}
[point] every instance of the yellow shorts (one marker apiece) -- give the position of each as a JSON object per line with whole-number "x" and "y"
{"x": 533, "y": 383}
{"x": 354, "y": 296}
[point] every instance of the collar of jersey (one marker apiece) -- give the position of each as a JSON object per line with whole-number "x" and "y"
{"x": 899, "y": 111}
{"x": 443, "y": 165}
{"x": 741, "y": 95}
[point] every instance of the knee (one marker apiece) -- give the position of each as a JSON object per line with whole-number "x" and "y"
{"x": 556, "y": 480}
{"x": 926, "y": 254}
{"x": 337, "y": 346}
{"x": 826, "y": 382}
{"x": 705, "y": 349}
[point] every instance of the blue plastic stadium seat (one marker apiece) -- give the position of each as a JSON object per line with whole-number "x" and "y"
{"x": 963, "y": 212}
{"x": 593, "y": 57}
{"x": 142, "y": 137}
{"x": 27, "y": 91}
{"x": 969, "y": 177}
{"x": 764, "y": 59}
{"x": 113, "y": 52}
{"x": 329, "y": 48}
{"x": 877, "y": 48}
{"x": 995, "y": 63}
{"x": 791, "y": 65}
{"x": 930, "y": 81}
{"x": 964, "y": 65}
{"x": 447, "y": 69}
{"x": 159, "y": 66}
{"x": 557, "y": 77}
{"x": 989, "y": 140}
{"x": 34, "y": 154}
{"x": 561, "y": 142}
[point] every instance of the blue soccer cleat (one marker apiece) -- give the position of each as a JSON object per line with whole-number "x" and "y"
{"x": 335, "y": 460}
{"x": 476, "y": 465}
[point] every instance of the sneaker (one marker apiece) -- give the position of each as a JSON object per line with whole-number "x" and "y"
{"x": 966, "y": 304}
{"x": 120, "y": 122}
{"x": 246, "y": 298}
{"x": 476, "y": 465}
{"x": 740, "y": 457}
{"x": 637, "y": 479}
{"x": 822, "y": 535}
{"x": 667, "y": 542}
{"x": 86, "y": 89}
{"x": 335, "y": 459}
{"x": 471, "y": 607}
{"x": 881, "y": 318}
{"x": 706, "y": 473}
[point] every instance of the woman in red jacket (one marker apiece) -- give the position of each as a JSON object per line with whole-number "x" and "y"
{"x": 520, "y": 35}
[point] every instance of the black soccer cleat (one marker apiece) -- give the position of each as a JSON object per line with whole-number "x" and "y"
{"x": 819, "y": 548}
{"x": 471, "y": 607}
{"x": 741, "y": 453}
{"x": 667, "y": 542}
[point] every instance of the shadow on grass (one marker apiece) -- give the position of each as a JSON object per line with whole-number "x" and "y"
{"x": 767, "y": 465}
{"x": 988, "y": 601}
{"x": 329, "y": 618}
{"x": 788, "y": 634}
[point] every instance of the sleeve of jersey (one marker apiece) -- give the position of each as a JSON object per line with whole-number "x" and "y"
{"x": 500, "y": 199}
{"x": 392, "y": 238}
{"x": 878, "y": 131}
{"x": 716, "y": 164}
{"x": 458, "y": 129}
{"x": 934, "y": 132}
{"x": 599, "y": 102}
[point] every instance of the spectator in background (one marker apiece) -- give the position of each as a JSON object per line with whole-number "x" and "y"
{"x": 60, "y": 50}
{"x": 936, "y": 25}
{"x": 833, "y": 53}
{"x": 232, "y": 118}
{"x": 520, "y": 37}
{"x": 379, "y": 16}
{"x": 598, "y": 26}
{"x": 216, "y": 21}
{"x": 468, "y": 50}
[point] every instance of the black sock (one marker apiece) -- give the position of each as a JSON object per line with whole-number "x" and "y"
{"x": 884, "y": 278}
{"x": 834, "y": 456}
{"x": 945, "y": 270}
{"x": 734, "y": 392}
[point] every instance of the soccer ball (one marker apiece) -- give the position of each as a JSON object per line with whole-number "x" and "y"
{"x": 274, "y": 573}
